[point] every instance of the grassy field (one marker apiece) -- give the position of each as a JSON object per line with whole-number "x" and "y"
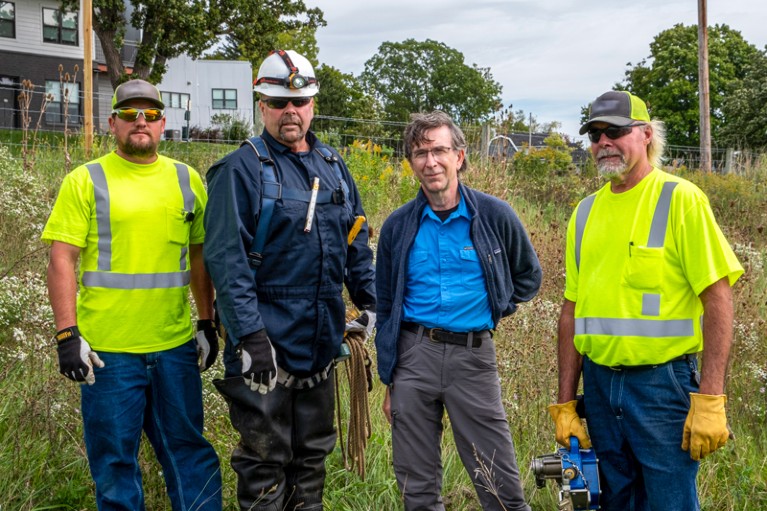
{"x": 42, "y": 460}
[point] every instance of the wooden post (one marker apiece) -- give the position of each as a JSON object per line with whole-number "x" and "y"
{"x": 88, "y": 75}
{"x": 704, "y": 104}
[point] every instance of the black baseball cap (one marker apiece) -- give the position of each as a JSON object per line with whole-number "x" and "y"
{"x": 619, "y": 108}
{"x": 136, "y": 89}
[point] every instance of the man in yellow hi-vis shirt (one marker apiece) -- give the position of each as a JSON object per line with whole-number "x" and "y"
{"x": 647, "y": 288}
{"x": 134, "y": 219}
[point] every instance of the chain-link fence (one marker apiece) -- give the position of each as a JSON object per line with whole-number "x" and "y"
{"x": 341, "y": 132}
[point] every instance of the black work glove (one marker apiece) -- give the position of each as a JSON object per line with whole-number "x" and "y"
{"x": 207, "y": 343}
{"x": 259, "y": 362}
{"x": 76, "y": 358}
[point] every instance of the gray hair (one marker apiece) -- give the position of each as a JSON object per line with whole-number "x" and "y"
{"x": 657, "y": 144}
{"x": 420, "y": 123}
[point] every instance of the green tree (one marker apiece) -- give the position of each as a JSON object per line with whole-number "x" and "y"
{"x": 298, "y": 35}
{"x": 745, "y": 108}
{"x": 668, "y": 79}
{"x": 509, "y": 120}
{"x": 554, "y": 158}
{"x": 419, "y": 76}
{"x": 342, "y": 95}
{"x": 169, "y": 28}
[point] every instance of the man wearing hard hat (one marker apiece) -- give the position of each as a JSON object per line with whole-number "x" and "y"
{"x": 277, "y": 247}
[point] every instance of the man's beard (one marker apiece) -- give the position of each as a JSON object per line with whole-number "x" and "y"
{"x": 142, "y": 150}
{"x": 292, "y": 136}
{"x": 610, "y": 169}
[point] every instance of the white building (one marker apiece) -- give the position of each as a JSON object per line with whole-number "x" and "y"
{"x": 205, "y": 88}
{"x": 37, "y": 37}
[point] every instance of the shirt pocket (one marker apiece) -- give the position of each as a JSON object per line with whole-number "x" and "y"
{"x": 644, "y": 268}
{"x": 177, "y": 226}
{"x": 471, "y": 272}
{"x": 418, "y": 258}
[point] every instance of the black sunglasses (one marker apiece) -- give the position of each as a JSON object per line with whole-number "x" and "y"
{"x": 612, "y": 132}
{"x": 280, "y": 103}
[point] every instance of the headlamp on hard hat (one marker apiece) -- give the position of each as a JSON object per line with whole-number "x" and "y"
{"x": 293, "y": 81}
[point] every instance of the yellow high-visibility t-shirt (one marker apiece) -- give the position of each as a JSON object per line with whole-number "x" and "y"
{"x": 134, "y": 228}
{"x": 621, "y": 278}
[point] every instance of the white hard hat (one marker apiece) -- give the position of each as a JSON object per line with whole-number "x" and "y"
{"x": 286, "y": 74}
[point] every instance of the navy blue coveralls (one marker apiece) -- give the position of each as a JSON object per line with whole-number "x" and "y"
{"x": 297, "y": 296}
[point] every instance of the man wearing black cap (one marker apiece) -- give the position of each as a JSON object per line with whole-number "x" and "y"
{"x": 133, "y": 219}
{"x": 647, "y": 288}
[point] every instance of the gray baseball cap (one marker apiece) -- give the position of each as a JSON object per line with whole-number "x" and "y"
{"x": 619, "y": 108}
{"x": 136, "y": 89}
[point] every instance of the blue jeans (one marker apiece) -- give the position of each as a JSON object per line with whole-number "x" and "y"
{"x": 160, "y": 393}
{"x": 636, "y": 421}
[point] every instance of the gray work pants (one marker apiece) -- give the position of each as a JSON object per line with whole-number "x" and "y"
{"x": 431, "y": 377}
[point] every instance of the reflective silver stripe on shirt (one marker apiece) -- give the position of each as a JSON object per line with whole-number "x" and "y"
{"x": 660, "y": 217}
{"x": 657, "y": 227}
{"x": 135, "y": 280}
{"x": 651, "y": 304}
{"x": 634, "y": 327}
{"x": 182, "y": 171}
{"x": 650, "y": 301}
{"x": 105, "y": 277}
{"x": 580, "y": 224}
{"x": 103, "y": 221}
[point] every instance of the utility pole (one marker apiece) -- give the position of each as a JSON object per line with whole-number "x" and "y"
{"x": 88, "y": 75}
{"x": 705, "y": 110}
{"x": 530, "y": 133}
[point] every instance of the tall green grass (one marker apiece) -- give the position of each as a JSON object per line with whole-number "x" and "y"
{"x": 42, "y": 459}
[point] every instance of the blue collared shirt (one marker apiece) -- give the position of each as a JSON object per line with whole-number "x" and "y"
{"x": 445, "y": 286}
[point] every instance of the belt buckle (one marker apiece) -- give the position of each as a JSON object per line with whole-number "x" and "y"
{"x": 433, "y": 331}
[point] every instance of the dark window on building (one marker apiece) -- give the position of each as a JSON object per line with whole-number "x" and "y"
{"x": 7, "y": 19}
{"x": 59, "y": 27}
{"x": 67, "y": 96}
{"x": 175, "y": 100}
{"x": 225, "y": 99}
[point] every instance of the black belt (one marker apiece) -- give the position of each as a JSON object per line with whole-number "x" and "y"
{"x": 446, "y": 336}
{"x": 652, "y": 366}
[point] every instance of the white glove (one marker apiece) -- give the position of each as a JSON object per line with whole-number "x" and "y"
{"x": 76, "y": 358}
{"x": 365, "y": 322}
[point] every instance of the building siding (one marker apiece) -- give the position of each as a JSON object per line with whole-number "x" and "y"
{"x": 29, "y": 33}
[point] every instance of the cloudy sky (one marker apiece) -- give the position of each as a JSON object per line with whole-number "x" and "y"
{"x": 550, "y": 56}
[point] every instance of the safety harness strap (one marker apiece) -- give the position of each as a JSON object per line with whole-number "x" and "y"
{"x": 287, "y": 380}
{"x": 272, "y": 190}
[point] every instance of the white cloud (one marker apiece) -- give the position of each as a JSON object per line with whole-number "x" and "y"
{"x": 551, "y": 57}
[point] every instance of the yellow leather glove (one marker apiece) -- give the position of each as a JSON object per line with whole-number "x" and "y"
{"x": 569, "y": 424}
{"x": 705, "y": 429}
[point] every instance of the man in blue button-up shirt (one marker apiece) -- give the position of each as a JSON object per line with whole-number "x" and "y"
{"x": 451, "y": 263}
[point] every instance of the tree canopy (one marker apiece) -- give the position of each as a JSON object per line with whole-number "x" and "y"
{"x": 668, "y": 79}
{"x": 419, "y": 76}
{"x": 341, "y": 95}
{"x": 745, "y": 108}
{"x": 169, "y": 28}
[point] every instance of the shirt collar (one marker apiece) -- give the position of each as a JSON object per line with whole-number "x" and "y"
{"x": 462, "y": 211}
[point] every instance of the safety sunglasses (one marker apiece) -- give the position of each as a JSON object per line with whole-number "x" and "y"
{"x": 130, "y": 114}
{"x": 612, "y": 132}
{"x": 280, "y": 103}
